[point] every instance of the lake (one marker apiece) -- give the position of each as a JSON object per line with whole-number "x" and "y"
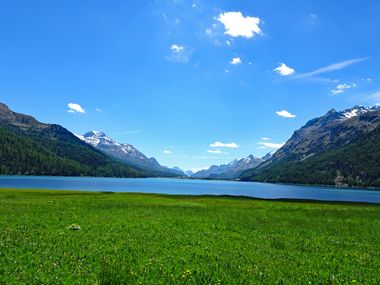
{"x": 192, "y": 187}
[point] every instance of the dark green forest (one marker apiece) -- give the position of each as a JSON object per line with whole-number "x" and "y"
{"x": 356, "y": 164}
{"x": 52, "y": 150}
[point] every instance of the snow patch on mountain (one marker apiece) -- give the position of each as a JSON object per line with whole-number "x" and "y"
{"x": 355, "y": 111}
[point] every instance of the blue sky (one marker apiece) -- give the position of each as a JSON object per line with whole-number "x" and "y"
{"x": 192, "y": 83}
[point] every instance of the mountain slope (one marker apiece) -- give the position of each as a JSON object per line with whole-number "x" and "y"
{"x": 28, "y": 147}
{"x": 339, "y": 148}
{"x": 127, "y": 153}
{"x": 231, "y": 170}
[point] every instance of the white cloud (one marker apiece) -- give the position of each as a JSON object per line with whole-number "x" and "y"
{"x": 337, "y": 91}
{"x": 284, "y": 70}
{"x": 265, "y": 144}
{"x": 227, "y": 145}
{"x": 270, "y": 145}
{"x": 98, "y": 110}
{"x": 285, "y": 114}
{"x": 214, "y": 151}
{"x": 167, "y": 152}
{"x": 331, "y": 67}
{"x": 75, "y": 108}
{"x": 177, "y": 48}
{"x": 236, "y": 25}
{"x": 179, "y": 54}
{"x": 208, "y": 31}
{"x": 341, "y": 88}
{"x": 235, "y": 61}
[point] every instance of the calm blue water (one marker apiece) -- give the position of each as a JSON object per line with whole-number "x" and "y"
{"x": 191, "y": 187}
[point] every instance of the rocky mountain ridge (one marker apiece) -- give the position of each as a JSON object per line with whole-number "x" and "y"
{"x": 231, "y": 170}
{"x": 338, "y": 148}
{"x": 127, "y": 153}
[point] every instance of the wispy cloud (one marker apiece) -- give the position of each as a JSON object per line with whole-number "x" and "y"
{"x": 214, "y": 151}
{"x": 314, "y": 19}
{"x": 208, "y": 31}
{"x": 75, "y": 108}
{"x": 284, "y": 70}
{"x": 331, "y": 67}
{"x": 227, "y": 145}
{"x": 98, "y": 110}
{"x": 236, "y": 25}
{"x": 265, "y": 145}
{"x": 374, "y": 96}
{"x": 167, "y": 152}
{"x": 285, "y": 114}
{"x": 341, "y": 88}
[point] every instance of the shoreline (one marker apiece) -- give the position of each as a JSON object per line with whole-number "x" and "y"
{"x": 376, "y": 189}
{"x": 193, "y": 196}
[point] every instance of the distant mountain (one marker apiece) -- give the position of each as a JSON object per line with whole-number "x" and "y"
{"x": 128, "y": 154}
{"x": 29, "y": 147}
{"x": 187, "y": 173}
{"x": 231, "y": 170}
{"x": 339, "y": 148}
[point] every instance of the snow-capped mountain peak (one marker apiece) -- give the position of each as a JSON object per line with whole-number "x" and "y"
{"x": 353, "y": 112}
{"x": 248, "y": 159}
{"x": 96, "y": 138}
{"x": 94, "y": 134}
{"x": 124, "y": 152}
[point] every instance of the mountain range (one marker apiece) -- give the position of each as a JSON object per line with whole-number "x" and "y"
{"x": 231, "y": 170}
{"x": 128, "y": 154}
{"x": 338, "y": 148}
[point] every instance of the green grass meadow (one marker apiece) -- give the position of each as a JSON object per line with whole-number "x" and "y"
{"x": 158, "y": 239}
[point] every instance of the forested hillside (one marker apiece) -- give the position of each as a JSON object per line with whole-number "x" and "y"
{"x": 339, "y": 148}
{"x": 28, "y": 147}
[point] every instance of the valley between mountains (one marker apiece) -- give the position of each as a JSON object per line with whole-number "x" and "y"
{"x": 338, "y": 148}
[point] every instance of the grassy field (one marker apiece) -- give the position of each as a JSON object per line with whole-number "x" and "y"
{"x": 156, "y": 239}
